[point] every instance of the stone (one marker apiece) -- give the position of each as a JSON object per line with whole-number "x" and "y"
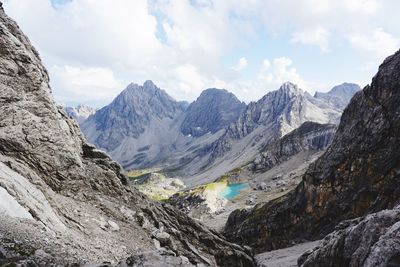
{"x": 113, "y": 226}
{"x": 371, "y": 241}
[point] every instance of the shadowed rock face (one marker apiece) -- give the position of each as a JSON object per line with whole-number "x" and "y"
{"x": 213, "y": 110}
{"x": 80, "y": 210}
{"x": 309, "y": 136}
{"x": 358, "y": 174}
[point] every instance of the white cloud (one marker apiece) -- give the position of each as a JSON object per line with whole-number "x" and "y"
{"x": 242, "y": 64}
{"x": 318, "y": 36}
{"x": 183, "y": 45}
{"x": 84, "y": 84}
{"x": 270, "y": 76}
{"x": 279, "y": 71}
{"x": 378, "y": 43}
{"x": 365, "y": 6}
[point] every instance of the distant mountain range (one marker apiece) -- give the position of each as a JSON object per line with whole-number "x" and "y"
{"x": 145, "y": 127}
{"x": 80, "y": 113}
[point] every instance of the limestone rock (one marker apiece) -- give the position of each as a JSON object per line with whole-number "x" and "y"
{"x": 372, "y": 241}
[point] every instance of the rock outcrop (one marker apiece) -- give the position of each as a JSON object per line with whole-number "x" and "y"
{"x": 358, "y": 174}
{"x": 73, "y": 207}
{"x": 212, "y": 111}
{"x": 372, "y": 241}
{"x": 309, "y": 136}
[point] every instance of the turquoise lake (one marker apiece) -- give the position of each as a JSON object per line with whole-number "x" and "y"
{"x": 233, "y": 190}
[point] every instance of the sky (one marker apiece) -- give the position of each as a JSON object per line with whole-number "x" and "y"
{"x": 94, "y": 48}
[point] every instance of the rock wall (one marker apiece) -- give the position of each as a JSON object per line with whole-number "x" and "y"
{"x": 309, "y": 136}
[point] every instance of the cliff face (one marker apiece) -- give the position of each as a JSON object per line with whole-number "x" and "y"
{"x": 358, "y": 174}
{"x": 309, "y": 136}
{"x": 64, "y": 202}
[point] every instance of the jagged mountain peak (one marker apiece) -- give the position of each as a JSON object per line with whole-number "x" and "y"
{"x": 289, "y": 105}
{"x": 148, "y": 89}
{"x": 212, "y": 91}
{"x": 129, "y": 114}
{"x": 213, "y": 110}
{"x": 290, "y": 88}
{"x": 149, "y": 83}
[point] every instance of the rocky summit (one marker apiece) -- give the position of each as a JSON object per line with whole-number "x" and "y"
{"x": 213, "y": 110}
{"x": 63, "y": 202}
{"x": 356, "y": 177}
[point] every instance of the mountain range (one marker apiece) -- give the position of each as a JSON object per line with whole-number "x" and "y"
{"x": 63, "y": 202}
{"x": 144, "y": 127}
{"x": 80, "y": 113}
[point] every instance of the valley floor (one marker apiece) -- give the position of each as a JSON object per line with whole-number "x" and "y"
{"x": 276, "y": 182}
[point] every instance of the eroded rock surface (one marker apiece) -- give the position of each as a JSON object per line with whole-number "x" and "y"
{"x": 372, "y": 241}
{"x": 309, "y": 136}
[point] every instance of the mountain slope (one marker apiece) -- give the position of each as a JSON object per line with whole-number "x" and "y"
{"x": 73, "y": 206}
{"x": 213, "y": 110}
{"x": 129, "y": 114}
{"x": 309, "y": 136}
{"x": 358, "y": 174}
